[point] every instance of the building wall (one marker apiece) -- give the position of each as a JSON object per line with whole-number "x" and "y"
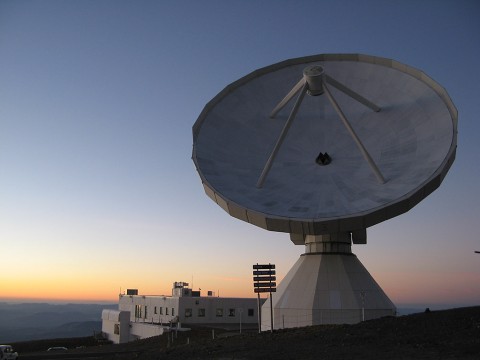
{"x": 142, "y": 331}
{"x": 215, "y": 310}
{"x": 115, "y": 324}
{"x": 150, "y": 309}
{"x": 189, "y": 310}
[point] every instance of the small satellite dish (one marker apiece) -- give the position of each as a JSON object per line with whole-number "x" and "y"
{"x": 323, "y": 147}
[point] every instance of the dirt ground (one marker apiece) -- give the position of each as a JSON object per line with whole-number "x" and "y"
{"x": 450, "y": 334}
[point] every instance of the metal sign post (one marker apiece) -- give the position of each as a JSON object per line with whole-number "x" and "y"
{"x": 264, "y": 281}
{"x": 259, "y": 311}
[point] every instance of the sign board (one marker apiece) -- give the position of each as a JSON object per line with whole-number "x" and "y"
{"x": 264, "y": 266}
{"x": 264, "y": 278}
{"x": 266, "y": 284}
{"x": 262, "y": 290}
{"x": 264, "y": 272}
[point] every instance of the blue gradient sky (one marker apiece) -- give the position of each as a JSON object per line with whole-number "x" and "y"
{"x": 97, "y": 99}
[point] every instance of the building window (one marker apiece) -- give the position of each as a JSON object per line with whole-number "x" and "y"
{"x": 219, "y": 312}
{"x": 188, "y": 313}
{"x": 145, "y": 315}
{"x": 155, "y": 310}
{"x": 138, "y": 311}
{"x": 173, "y": 311}
{"x": 201, "y": 312}
{"x": 250, "y": 312}
{"x": 116, "y": 329}
{"x": 161, "y": 310}
{"x": 166, "y": 311}
{"x": 231, "y": 312}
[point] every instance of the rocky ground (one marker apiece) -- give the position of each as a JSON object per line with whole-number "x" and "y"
{"x": 450, "y": 334}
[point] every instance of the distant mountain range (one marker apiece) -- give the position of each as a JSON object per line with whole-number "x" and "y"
{"x": 33, "y": 321}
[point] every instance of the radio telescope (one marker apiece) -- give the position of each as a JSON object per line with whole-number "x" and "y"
{"x": 323, "y": 147}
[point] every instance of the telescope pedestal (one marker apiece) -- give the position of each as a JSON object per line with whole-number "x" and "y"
{"x": 330, "y": 286}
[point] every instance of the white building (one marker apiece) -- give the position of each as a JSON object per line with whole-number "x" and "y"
{"x": 143, "y": 316}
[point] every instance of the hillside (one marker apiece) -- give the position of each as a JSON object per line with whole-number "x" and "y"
{"x": 30, "y": 321}
{"x": 449, "y": 334}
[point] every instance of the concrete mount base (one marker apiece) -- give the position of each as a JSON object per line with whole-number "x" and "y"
{"x": 326, "y": 288}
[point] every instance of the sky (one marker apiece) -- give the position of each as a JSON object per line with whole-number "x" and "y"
{"x": 98, "y": 192}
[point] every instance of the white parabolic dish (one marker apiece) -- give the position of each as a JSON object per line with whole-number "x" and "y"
{"x": 412, "y": 140}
